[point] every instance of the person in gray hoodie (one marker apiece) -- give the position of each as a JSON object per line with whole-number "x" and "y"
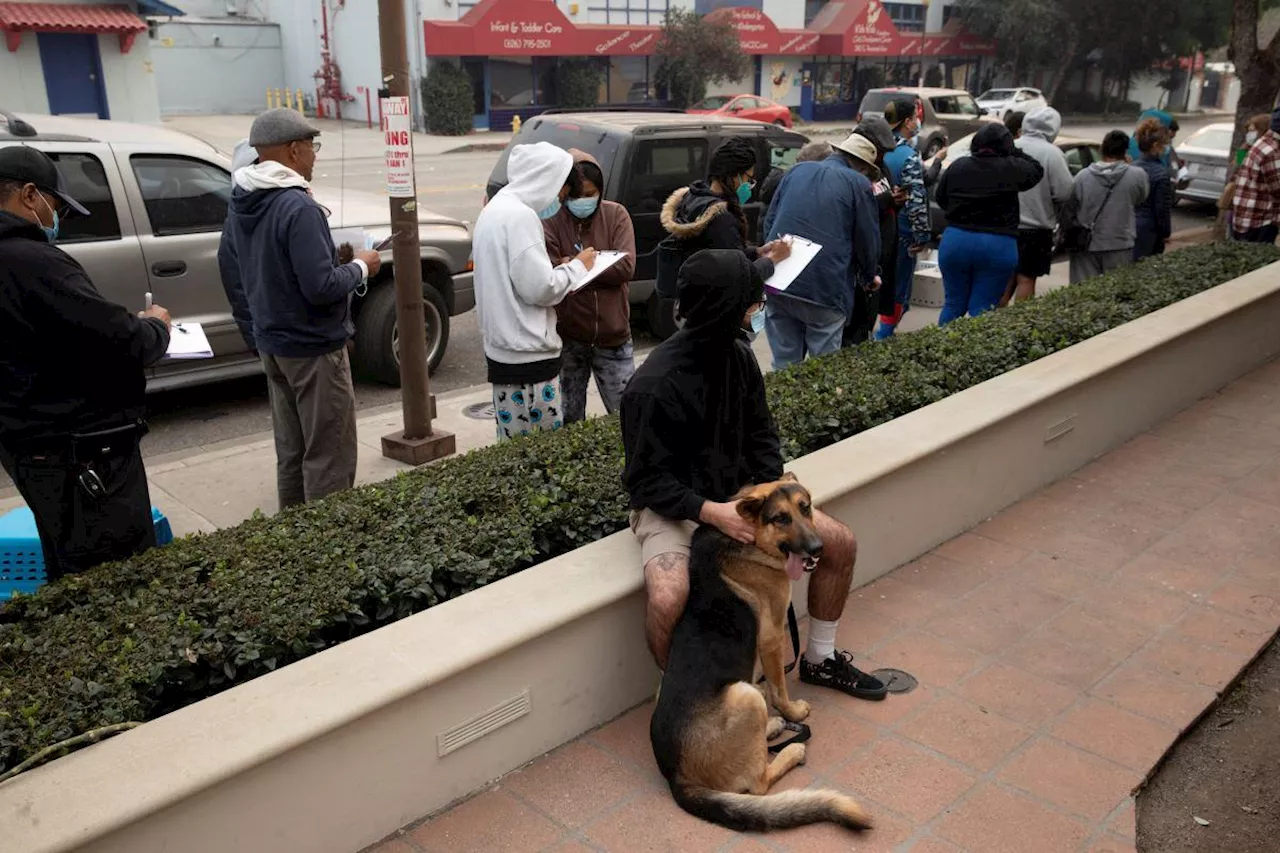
{"x": 1038, "y": 219}
{"x": 1103, "y": 198}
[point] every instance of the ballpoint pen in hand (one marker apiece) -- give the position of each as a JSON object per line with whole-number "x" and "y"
{"x": 148, "y": 299}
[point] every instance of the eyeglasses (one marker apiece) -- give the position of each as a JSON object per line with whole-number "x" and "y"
{"x": 315, "y": 145}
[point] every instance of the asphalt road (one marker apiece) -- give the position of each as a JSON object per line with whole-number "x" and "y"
{"x": 451, "y": 184}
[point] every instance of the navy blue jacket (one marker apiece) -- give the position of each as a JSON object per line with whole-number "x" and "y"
{"x": 279, "y": 265}
{"x": 1156, "y": 212}
{"x": 832, "y": 205}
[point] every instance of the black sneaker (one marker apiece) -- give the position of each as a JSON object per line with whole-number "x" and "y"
{"x": 839, "y": 673}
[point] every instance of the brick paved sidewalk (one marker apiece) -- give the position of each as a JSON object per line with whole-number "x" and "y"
{"x": 1061, "y": 648}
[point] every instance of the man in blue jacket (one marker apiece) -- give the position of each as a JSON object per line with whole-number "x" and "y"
{"x": 278, "y": 254}
{"x": 831, "y": 203}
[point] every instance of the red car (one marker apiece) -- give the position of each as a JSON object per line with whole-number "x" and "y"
{"x": 744, "y": 106}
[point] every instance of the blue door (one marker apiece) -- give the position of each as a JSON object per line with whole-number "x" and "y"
{"x": 73, "y": 73}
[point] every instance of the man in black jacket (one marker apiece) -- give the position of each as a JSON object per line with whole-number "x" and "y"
{"x": 696, "y": 429}
{"x": 72, "y": 387}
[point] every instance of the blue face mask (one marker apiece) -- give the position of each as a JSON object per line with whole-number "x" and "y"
{"x": 744, "y": 192}
{"x": 50, "y": 234}
{"x": 757, "y": 324}
{"x": 582, "y": 208}
{"x": 550, "y": 210}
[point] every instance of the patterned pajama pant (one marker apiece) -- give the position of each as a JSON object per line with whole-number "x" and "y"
{"x": 524, "y": 409}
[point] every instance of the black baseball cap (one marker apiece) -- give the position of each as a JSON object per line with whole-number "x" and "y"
{"x": 28, "y": 165}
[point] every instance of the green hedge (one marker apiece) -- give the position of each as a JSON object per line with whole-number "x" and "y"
{"x": 135, "y": 640}
{"x": 448, "y": 100}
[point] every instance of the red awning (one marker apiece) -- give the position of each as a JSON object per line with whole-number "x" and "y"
{"x": 17, "y": 18}
{"x": 857, "y": 28}
{"x": 531, "y": 28}
{"x": 760, "y": 36}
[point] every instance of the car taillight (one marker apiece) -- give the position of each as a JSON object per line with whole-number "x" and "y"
{"x": 919, "y": 110}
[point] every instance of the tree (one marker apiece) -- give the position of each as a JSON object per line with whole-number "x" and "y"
{"x": 578, "y": 83}
{"x": 695, "y": 52}
{"x": 1257, "y": 66}
{"x": 448, "y": 99}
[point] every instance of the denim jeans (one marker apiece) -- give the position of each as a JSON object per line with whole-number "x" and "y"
{"x": 797, "y": 328}
{"x": 612, "y": 367}
{"x": 976, "y": 268}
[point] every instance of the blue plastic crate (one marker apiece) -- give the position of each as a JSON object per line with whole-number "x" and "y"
{"x": 22, "y": 560}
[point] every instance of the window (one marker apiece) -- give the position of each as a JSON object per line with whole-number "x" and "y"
{"x": 908, "y": 17}
{"x": 87, "y": 184}
{"x": 652, "y": 12}
{"x": 661, "y": 167}
{"x": 783, "y": 152}
{"x": 1075, "y": 159}
{"x": 966, "y": 105}
{"x": 629, "y": 80}
{"x": 511, "y": 82}
{"x": 945, "y": 105}
{"x": 182, "y": 196}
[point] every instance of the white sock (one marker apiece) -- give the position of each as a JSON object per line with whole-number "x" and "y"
{"x": 822, "y": 640}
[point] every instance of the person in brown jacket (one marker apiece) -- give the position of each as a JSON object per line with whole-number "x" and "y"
{"x": 594, "y": 322}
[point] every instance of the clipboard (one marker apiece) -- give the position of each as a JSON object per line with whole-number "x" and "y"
{"x": 802, "y": 254}
{"x": 604, "y": 260}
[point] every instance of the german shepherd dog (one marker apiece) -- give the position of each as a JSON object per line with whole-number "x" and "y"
{"x": 710, "y": 724}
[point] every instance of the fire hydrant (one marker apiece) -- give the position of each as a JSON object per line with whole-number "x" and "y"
{"x": 515, "y": 124}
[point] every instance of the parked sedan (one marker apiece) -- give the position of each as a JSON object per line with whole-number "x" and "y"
{"x": 1001, "y": 102}
{"x": 1206, "y": 154}
{"x": 751, "y": 107}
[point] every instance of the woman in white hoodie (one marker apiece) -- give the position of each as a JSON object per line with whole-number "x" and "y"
{"x": 518, "y": 288}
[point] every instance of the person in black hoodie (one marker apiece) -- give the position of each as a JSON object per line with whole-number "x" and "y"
{"x": 979, "y": 193}
{"x": 870, "y": 304}
{"x": 708, "y": 214}
{"x": 72, "y": 381}
{"x": 696, "y": 428}
{"x": 279, "y": 263}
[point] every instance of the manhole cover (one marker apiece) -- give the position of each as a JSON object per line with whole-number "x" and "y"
{"x": 896, "y": 681}
{"x": 479, "y": 411}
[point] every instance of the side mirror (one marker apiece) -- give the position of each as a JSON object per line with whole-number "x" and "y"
{"x": 736, "y": 108}
{"x": 982, "y": 111}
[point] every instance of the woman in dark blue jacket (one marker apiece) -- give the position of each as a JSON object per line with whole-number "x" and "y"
{"x": 1153, "y": 217}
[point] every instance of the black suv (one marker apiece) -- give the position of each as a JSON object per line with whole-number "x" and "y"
{"x": 647, "y": 155}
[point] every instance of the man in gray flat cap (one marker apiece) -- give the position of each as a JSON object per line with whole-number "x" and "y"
{"x": 279, "y": 264}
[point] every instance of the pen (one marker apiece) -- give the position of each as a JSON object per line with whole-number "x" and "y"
{"x": 148, "y": 298}
{"x": 179, "y": 327}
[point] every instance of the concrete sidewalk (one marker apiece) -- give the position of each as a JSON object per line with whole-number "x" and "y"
{"x": 1061, "y": 648}
{"x": 204, "y": 488}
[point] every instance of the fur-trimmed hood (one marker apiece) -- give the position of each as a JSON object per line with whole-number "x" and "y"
{"x": 689, "y": 210}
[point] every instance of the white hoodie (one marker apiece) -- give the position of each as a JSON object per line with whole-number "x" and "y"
{"x": 517, "y": 287}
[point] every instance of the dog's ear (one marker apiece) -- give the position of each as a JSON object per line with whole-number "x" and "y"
{"x": 750, "y": 507}
{"x": 788, "y": 478}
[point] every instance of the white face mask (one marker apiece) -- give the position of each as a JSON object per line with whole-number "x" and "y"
{"x": 1251, "y": 137}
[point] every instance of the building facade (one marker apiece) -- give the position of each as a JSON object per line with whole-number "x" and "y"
{"x": 65, "y": 57}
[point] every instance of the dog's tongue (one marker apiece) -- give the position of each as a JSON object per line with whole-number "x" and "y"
{"x": 795, "y": 567}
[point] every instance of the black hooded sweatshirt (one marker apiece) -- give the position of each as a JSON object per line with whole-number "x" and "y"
{"x": 70, "y": 360}
{"x": 980, "y": 192}
{"x": 695, "y": 423}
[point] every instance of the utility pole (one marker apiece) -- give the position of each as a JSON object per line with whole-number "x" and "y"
{"x": 924, "y": 29}
{"x": 418, "y": 443}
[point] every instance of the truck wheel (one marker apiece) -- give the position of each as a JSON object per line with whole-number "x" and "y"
{"x": 661, "y": 314}
{"x": 377, "y": 352}
{"x": 934, "y": 146}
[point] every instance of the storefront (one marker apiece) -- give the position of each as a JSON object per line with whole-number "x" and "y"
{"x": 512, "y": 50}
{"x": 859, "y": 48}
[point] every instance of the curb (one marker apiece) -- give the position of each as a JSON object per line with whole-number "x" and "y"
{"x": 476, "y": 146}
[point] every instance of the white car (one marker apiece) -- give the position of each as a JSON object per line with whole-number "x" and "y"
{"x": 1000, "y": 102}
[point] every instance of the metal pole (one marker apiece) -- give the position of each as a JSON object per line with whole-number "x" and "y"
{"x": 924, "y": 29}
{"x": 417, "y": 443}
